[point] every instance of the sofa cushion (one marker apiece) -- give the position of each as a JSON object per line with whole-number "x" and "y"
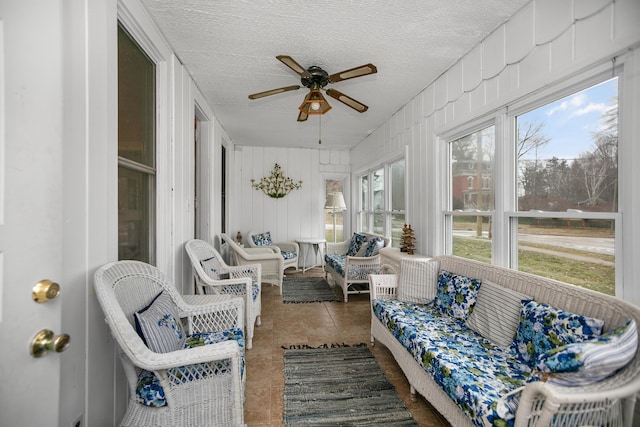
{"x": 356, "y": 242}
{"x": 471, "y": 370}
{"x": 337, "y": 262}
{"x": 159, "y": 325}
{"x": 543, "y": 327}
{"x": 593, "y": 360}
{"x": 262, "y": 239}
{"x": 418, "y": 280}
{"x": 456, "y": 295}
{"x": 374, "y": 245}
{"x": 497, "y": 313}
{"x": 149, "y": 392}
{"x": 288, "y": 254}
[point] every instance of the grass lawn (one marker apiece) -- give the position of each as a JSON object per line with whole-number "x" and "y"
{"x": 589, "y": 275}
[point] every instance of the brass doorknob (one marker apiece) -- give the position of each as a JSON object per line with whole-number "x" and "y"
{"x": 46, "y": 341}
{"x": 45, "y": 290}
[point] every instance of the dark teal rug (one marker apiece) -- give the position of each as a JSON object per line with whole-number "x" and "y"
{"x": 306, "y": 290}
{"x": 341, "y": 386}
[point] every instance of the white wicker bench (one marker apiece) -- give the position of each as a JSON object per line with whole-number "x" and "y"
{"x": 355, "y": 277}
{"x": 540, "y": 402}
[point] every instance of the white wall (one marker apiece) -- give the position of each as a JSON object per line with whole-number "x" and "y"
{"x": 547, "y": 42}
{"x": 299, "y": 214}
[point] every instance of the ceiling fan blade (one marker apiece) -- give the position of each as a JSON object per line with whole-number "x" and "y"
{"x": 302, "y": 116}
{"x": 273, "y": 92}
{"x": 347, "y": 100}
{"x": 351, "y": 73}
{"x": 291, "y": 63}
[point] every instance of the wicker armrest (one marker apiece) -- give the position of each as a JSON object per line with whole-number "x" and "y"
{"x": 261, "y": 253}
{"x": 214, "y": 317}
{"x": 383, "y": 286}
{"x": 252, "y": 271}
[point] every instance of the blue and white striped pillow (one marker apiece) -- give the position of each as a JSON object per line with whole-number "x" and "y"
{"x": 590, "y": 361}
{"x": 159, "y": 325}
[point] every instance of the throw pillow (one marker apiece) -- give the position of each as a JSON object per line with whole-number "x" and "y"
{"x": 363, "y": 248}
{"x": 497, "y": 313}
{"x": 374, "y": 246}
{"x": 418, "y": 280}
{"x": 159, "y": 325}
{"x": 456, "y": 294}
{"x": 543, "y": 327}
{"x": 590, "y": 361}
{"x": 262, "y": 239}
{"x": 356, "y": 242}
{"x": 211, "y": 267}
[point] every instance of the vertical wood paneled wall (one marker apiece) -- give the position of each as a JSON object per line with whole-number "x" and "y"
{"x": 299, "y": 214}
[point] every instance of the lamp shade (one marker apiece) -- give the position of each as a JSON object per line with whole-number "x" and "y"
{"x": 335, "y": 201}
{"x": 314, "y": 103}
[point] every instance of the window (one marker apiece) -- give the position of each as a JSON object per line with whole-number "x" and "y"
{"x": 334, "y": 218}
{"x": 558, "y": 189}
{"x": 567, "y": 188}
{"x": 382, "y": 201}
{"x": 471, "y": 166}
{"x": 136, "y": 151}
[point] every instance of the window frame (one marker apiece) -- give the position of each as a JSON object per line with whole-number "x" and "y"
{"x": 388, "y": 210}
{"x": 161, "y": 54}
{"x": 505, "y": 217}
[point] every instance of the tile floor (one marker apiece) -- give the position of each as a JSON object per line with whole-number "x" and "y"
{"x": 313, "y": 324}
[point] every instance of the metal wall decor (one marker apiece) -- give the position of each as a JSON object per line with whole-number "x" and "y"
{"x": 276, "y": 185}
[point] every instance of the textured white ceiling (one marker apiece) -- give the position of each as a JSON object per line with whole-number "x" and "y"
{"x": 230, "y": 47}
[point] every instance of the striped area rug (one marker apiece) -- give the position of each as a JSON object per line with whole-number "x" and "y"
{"x": 307, "y": 289}
{"x": 341, "y": 386}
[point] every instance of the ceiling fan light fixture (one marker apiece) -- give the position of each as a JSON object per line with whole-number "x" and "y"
{"x": 314, "y": 103}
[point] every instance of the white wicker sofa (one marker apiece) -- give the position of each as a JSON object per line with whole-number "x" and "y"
{"x": 540, "y": 399}
{"x": 349, "y": 263}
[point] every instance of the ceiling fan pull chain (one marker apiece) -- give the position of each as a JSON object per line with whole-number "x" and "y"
{"x": 320, "y": 129}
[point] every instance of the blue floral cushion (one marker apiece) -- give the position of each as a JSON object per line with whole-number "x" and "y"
{"x": 337, "y": 262}
{"x": 159, "y": 325}
{"x": 356, "y": 272}
{"x": 374, "y": 246}
{"x": 593, "y": 360}
{"x": 474, "y": 372}
{"x": 456, "y": 295}
{"x": 543, "y": 327}
{"x": 149, "y": 392}
{"x": 288, "y": 254}
{"x": 356, "y": 242}
{"x": 262, "y": 239}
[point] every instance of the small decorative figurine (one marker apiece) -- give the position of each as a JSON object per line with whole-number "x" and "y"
{"x": 239, "y": 238}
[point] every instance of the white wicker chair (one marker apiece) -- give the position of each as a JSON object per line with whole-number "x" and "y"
{"x": 267, "y": 256}
{"x": 215, "y": 398}
{"x": 289, "y": 247}
{"x": 240, "y": 282}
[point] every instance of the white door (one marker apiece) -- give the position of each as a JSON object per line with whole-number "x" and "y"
{"x": 31, "y": 75}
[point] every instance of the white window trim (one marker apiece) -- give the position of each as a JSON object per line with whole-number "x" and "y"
{"x": 504, "y": 119}
{"x": 385, "y": 165}
{"x": 136, "y": 21}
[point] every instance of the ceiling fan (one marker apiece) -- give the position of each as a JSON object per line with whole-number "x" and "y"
{"x": 315, "y": 78}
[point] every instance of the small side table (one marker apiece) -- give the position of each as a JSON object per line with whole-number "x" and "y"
{"x": 318, "y": 245}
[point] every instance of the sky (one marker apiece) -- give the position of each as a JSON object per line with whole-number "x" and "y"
{"x": 569, "y": 122}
